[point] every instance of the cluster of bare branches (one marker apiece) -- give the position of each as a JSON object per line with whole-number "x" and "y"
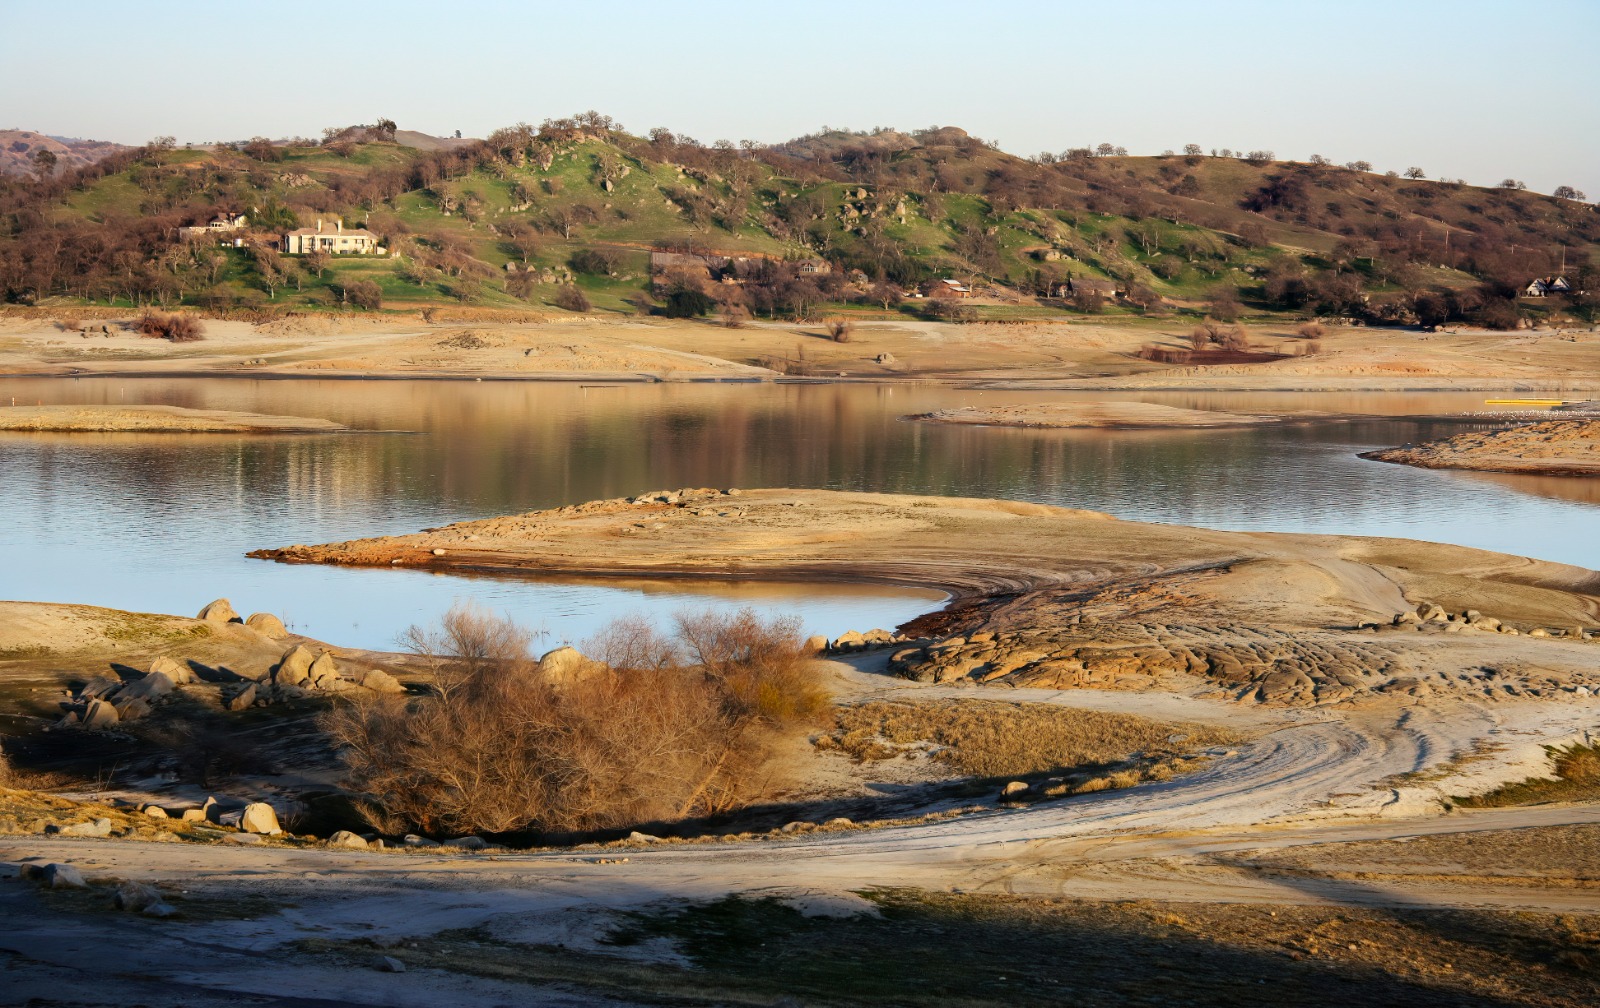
{"x": 653, "y": 727}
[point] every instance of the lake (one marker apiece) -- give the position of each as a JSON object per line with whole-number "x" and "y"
{"x": 161, "y": 522}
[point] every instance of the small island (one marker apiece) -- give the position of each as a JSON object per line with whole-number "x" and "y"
{"x": 1550, "y": 448}
{"x": 155, "y": 420}
{"x": 1109, "y": 415}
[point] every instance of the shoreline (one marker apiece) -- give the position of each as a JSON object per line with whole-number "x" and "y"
{"x": 1222, "y": 384}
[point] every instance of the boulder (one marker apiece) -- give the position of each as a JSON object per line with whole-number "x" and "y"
{"x": 815, "y": 645}
{"x": 412, "y": 840}
{"x": 345, "y": 838}
{"x": 379, "y": 681}
{"x": 243, "y": 699}
{"x": 193, "y": 815}
{"x": 135, "y": 897}
{"x": 99, "y": 714}
{"x": 1015, "y": 787}
{"x": 637, "y": 837}
{"x": 259, "y": 817}
{"x": 468, "y": 843}
{"x": 94, "y": 828}
{"x": 294, "y": 668}
{"x": 131, "y": 708}
{"x": 220, "y": 611}
{"x": 153, "y": 685}
{"x": 567, "y": 665}
{"x": 61, "y": 876}
{"x": 267, "y": 625}
{"x": 177, "y": 673}
{"x": 99, "y": 686}
{"x": 324, "y": 670}
{"x": 154, "y": 811}
{"x": 389, "y": 964}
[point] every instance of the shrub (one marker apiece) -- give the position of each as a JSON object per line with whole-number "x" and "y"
{"x": 659, "y": 728}
{"x": 1163, "y": 355}
{"x": 366, "y": 295}
{"x": 841, "y": 330}
{"x": 1311, "y": 330}
{"x": 599, "y": 262}
{"x": 70, "y": 325}
{"x": 570, "y": 298}
{"x": 176, "y": 327}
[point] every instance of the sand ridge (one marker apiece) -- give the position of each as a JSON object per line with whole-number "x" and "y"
{"x": 155, "y": 420}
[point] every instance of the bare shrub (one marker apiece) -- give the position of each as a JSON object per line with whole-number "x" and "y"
{"x": 570, "y": 298}
{"x": 1164, "y": 354}
{"x": 1235, "y": 337}
{"x": 175, "y": 327}
{"x": 1311, "y": 330}
{"x": 70, "y": 325}
{"x": 1200, "y": 337}
{"x": 667, "y": 727}
{"x": 1312, "y": 347}
{"x": 841, "y": 330}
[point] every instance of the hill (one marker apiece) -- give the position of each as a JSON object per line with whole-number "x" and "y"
{"x": 568, "y": 214}
{"x": 20, "y": 148}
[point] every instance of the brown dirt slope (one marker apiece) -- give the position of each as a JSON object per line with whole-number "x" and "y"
{"x": 1089, "y": 414}
{"x": 1553, "y": 448}
{"x": 153, "y": 420}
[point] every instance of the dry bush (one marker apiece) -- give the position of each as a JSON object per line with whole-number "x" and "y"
{"x": 176, "y": 327}
{"x": 997, "y": 739}
{"x": 1163, "y": 354}
{"x": 667, "y": 728}
{"x": 1235, "y": 337}
{"x": 1311, "y": 330}
{"x": 841, "y": 330}
{"x": 70, "y": 325}
{"x": 1311, "y": 347}
{"x": 569, "y": 298}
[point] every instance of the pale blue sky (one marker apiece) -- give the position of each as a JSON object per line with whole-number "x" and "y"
{"x": 1468, "y": 88}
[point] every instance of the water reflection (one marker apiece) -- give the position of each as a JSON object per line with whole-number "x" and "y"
{"x": 161, "y": 521}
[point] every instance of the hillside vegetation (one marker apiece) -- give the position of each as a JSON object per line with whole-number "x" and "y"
{"x": 567, "y": 213}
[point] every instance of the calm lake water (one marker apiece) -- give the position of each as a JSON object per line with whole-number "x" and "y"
{"x": 161, "y": 522}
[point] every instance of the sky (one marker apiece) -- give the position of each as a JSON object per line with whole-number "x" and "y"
{"x": 1460, "y": 88}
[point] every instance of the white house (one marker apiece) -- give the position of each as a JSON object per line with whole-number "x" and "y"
{"x": 218, "y": 225}
{"x": 1545, "y": 286}
{"x": 334, "y": 240}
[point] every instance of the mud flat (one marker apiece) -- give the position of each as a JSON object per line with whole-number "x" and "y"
{"x": 1552, "y": 448}
{"x": 155, "y": 420}
{"x": 1113, "y": 415}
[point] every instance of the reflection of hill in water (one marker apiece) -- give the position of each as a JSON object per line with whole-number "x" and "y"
{"x": 1582, "y": 489}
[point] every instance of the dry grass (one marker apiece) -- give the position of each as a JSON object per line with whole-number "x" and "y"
{"x": 1577, "y": 779}
{"x": 989, "y": 738}
{"x": 660, "y": 729}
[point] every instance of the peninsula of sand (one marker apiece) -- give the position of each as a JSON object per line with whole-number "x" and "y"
{"x": 1059, "y": 598}
{"x": 155, "y": 420}
{"x": 1112, "y": 415}
{"x": 1552, "y": 448}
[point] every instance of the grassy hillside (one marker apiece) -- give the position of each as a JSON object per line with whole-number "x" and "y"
{"x": 578, "y": 205}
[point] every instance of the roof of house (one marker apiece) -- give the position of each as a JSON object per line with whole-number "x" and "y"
{"x": 363, "y": 232}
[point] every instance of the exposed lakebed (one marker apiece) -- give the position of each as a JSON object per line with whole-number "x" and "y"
{"x": 162, "y": 522}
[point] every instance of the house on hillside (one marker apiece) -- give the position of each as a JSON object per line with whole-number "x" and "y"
{"x": 217, "y": 226}
{"x": 1545, "y": 286}
{"x": 1087, "y": 285}
{"x": 948, "y": 288}
{"x": 807, "y": 267}
{"x": 334, "y": 240}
